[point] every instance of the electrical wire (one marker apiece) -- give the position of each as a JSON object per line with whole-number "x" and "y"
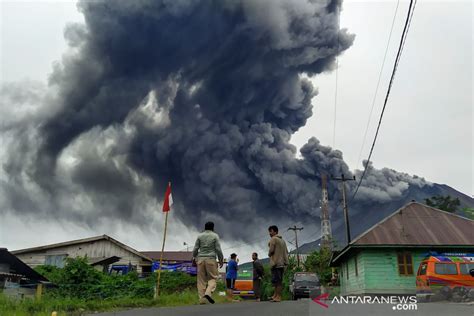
{"x": 411, "y": 9}
{"x": 378, "y": 84}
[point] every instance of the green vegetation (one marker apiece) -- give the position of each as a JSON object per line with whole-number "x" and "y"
{"x": 66, "y": 306}
{"x": 288, "y": 275}
{"x": 468, "y": 212}
{"x": 80, "y": 288}
{"x": 334, "y": 291}
{"x": 81, "y": 281}
{"x": 445, "y": 203}
{"x": 73, "y": 307}
{"x": 318, "y": 262}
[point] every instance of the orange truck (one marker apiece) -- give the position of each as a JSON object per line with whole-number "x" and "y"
{"x": 444, "y": 274}
{"x": 244, "y": 284}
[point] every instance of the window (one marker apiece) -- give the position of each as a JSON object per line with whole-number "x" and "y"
{"x": 347, "y": 270}
{"x": 355, "y": 266}
{"x": 465, "y": 267}
{"x": 422, "y": 270}
{"x": 405, "y": 264}
{"x": 55, "y": 260}
{"x": 311, "y": 277}
{"x": 446, "y": 268}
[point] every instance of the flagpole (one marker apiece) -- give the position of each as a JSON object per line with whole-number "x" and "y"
{"x": 157, "y": 293}
{"x": 166, "y": 209}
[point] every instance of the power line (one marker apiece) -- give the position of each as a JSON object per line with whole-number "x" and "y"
{"x": 378, "y": 84}
{"x": 411, "y": 9}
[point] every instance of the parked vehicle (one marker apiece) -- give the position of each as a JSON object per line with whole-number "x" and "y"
{"x": 443, "y": 275}
{"x": 244, "y": 284}
{"x": 304, "y": 284}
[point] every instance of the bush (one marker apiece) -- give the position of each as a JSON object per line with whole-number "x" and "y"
{"x": 318, "y": 262}
{"x": 266, "y": 286}
{"x": 175, "y": 282}
{"x": 79, "y": 280}
{"x": 288, "y": 275}
{"x": 78, "y": 287}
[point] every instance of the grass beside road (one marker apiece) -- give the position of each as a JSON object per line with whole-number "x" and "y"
{"x": 68, "y": 306}
{"x": 79, "y": 288}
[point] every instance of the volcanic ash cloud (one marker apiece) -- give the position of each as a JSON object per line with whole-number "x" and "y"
{"x": 203, "y": 93}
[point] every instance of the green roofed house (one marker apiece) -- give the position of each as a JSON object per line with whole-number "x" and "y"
{"x": 384, "y": 260}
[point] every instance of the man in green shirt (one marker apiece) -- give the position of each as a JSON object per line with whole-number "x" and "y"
{"x": 278, "y": 254}
{"x": 206, "y": 248}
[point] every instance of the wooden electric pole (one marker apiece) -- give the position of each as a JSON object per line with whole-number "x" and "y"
{"x": 344, "y": 204}
{"x": 295, "y": 229}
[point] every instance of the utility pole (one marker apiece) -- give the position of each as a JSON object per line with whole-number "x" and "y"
{"x": 344, "y": 203}
{"x": 295, "y": 229}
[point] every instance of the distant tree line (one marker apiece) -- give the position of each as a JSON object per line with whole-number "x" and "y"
{"x": 449, "y": 204}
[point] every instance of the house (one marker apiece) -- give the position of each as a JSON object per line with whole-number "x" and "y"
{"x": 103, "y": 252}
{"x": 385, "y": 259}
{"x": 17, "y": 278}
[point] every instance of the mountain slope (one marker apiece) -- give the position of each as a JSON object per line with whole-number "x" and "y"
{"x": 368, "y": 215}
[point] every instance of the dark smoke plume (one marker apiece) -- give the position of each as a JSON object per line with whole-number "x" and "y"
{"x": 206, "y": 94}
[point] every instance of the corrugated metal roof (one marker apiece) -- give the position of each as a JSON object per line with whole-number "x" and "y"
{"x": 416, "y": 225}
{"x": 170, "y": 255}
{"x": 82, "y": 241}
{"x": 16, "y": 266}
{"x": 419, "y": 224}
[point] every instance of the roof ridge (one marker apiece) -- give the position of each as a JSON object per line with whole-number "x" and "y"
{"x": 59, "y": 244}
{"x": 412, "y": 208}
{"x": 445, "y": 212}
{"x": 380, "y": 222}
{"x": 84, "y": 240}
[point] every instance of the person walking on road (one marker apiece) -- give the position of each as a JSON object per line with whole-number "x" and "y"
{"x": 206, "y": 248}
{"x": 278, "y": 254}
{"x": 258, "y": 273}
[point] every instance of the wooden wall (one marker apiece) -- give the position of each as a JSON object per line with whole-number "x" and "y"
{"x": 378, "y": 273}
{"x": 93, "y": 250}
{"x": 355, "y": 284}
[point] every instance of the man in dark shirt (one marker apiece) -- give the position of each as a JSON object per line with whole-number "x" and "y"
{"x": 258, "y": 273}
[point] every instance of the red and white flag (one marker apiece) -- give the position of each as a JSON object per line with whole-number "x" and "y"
{"x": 168, "y": 199}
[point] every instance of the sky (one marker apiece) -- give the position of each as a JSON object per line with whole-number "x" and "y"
{"x": 426, "y": 130}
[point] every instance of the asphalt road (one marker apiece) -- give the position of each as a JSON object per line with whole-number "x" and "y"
{"x": 300, "y": 307}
